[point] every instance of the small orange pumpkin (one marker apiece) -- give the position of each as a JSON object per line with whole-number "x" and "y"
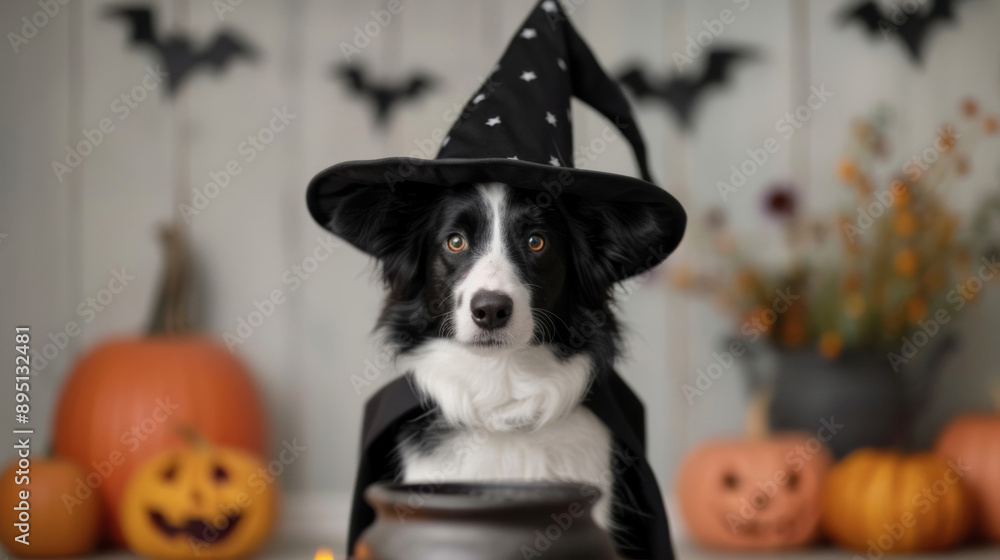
{"x": 123, "y": 400}
{"x": 973, "y": 442}
{"x": 199, "y": 502}
{"x": 57, "y": 524}
{"x": 755, "y": 494}
{"x": 879, "y": 501}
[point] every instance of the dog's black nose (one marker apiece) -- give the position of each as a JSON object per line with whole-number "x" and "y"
{"x": 491, "y": 310}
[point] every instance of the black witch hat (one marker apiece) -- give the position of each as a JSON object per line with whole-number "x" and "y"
{"x": 517, "y": 130}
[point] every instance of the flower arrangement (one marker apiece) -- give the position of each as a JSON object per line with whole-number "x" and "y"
{"x": 869, "y": 274}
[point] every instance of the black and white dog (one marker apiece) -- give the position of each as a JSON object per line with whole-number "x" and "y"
{"x": 499, "y": 308}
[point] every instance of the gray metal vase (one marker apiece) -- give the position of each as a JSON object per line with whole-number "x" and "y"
{"x": 483, "y": 522}
{"x": 857, "y": 400}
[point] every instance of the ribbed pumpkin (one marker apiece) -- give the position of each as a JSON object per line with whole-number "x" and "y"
{"x": 880, "y": 501}
{"x": 123, "y": 401}
{"x": 60, "y": 525}
{"x": 973, "y": 442}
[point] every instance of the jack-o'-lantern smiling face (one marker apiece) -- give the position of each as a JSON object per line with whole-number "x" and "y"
{"x": 200, "y": 502}
{"x": 754, "y": 494}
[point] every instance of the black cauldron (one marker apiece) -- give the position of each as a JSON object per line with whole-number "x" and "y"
{"x": 484, "y": 522}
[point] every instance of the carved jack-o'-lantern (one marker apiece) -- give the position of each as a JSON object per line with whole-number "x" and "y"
{"x": 756, "y": 494}
{"x": 202, "y": 502}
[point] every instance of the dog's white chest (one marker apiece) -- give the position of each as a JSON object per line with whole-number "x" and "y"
{"x": 511, "y": 417}
{"x": 576, "y": 448}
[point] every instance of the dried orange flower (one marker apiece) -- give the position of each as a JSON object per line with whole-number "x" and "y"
{"x": 906, "y": 262}
{"x": 962, "y": 165}
{"x": 948, "y": 138}
{"x": 847, "y": 170}
{"x": 761, "y": 317}
{"x": 854, "y": 305}
{"x": 916, "y": 309}
{"x": 901, "y": 192}
{"x": 969, "y": 107}
{"x": 830, "y": 344}
{"x": 793, "y": 332}
{"x": 905, "y": 223}
{"x": 746, "y": 279}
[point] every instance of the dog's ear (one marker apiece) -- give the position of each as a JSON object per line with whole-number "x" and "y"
{"x": 388, "y": 224}
{"x": 613, "y": 241}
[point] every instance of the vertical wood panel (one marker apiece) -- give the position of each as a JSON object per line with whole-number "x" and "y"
{"x": 36, "y": 210}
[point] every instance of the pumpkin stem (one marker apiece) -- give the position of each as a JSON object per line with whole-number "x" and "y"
{"x": 192, "y": 436}
{"x": 171, "y": 314}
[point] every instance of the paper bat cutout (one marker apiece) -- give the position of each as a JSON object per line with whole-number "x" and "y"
{"x": 682, "y": 94}
{"x": 912, "y": 29}
{"x": 176, "y": 51}
{"x": 383, "y": 97}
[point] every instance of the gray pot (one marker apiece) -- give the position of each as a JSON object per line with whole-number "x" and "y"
{"x": 853, "y": 402}
{"x": 857, "y": 400}
{"x": 483, "y": 522}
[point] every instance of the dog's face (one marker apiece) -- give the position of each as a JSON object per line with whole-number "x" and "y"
{"x": 492, "y": 267}
{"x": 497, "y": 268}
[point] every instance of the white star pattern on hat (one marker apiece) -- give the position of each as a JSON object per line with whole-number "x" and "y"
{"x": 549, "y": 6}
{"x": 513, "y": 157}
{"x": 493, "y": 121}
{"x": 528, "y": 76}
{"x": 561, "y": 63}
{"x": 445, "y": 141}
{"x": 529, "y": 33}
{"x": 478, "y": 98}
{"x": 554, "y": 162}
{"x": 550, "y": 118}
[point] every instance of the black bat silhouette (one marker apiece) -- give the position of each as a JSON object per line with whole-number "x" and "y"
{"x": 912, "y": 29}
{"x": 383, "y": 97}
{"x": 682, "y": 93}
{"x": 175, "y": 51}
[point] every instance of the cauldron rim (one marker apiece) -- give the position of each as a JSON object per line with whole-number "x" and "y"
{"x": 460, "y": 496}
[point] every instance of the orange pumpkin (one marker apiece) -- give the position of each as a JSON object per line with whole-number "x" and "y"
{"x": 973, "y": 443}
{"x": 757, "y": 494}
{"x": 56, "y": 526}
{"x": 123, "y": 401}
{"x": 877, "y": 501}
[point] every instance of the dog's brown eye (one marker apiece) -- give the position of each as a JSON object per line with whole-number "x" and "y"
{"x": 536, "y": 243}
{"x": 456, "y": 243}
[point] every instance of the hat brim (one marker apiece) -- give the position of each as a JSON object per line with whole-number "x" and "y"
{"x": 328, "y": 186}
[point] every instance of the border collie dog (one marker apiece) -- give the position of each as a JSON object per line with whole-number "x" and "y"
{"x": 485, "y": 310}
